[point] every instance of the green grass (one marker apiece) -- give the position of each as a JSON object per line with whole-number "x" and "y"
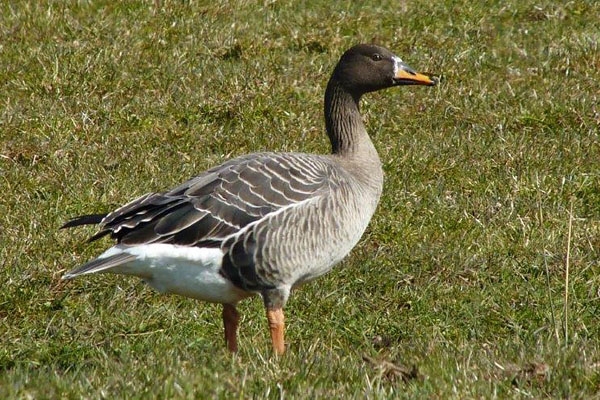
{"x": 457, "y": 289}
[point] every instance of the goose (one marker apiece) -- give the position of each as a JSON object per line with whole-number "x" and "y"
{"x": 263, "y": 223}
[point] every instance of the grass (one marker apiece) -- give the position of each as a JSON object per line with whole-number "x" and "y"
{"x": 478, "y": 277}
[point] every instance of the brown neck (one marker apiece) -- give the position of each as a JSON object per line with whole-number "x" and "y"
{"x": 343, "y": 121}
{"x": 350, "y": 142}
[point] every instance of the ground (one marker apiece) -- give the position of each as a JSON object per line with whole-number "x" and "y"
{"x": 479, "y": 276}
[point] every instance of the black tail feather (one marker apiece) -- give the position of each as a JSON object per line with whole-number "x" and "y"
{"x": 90, "y": 219}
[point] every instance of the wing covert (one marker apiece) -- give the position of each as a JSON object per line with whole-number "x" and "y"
{"x": 220, "y": 202}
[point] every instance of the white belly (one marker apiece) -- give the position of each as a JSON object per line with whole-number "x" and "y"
{"x": 186, "y": 271}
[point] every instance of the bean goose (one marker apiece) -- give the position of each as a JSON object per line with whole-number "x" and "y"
{"x": 262, "y": 223}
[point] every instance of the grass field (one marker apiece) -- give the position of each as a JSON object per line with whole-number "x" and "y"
{"x": 479, "y": 276}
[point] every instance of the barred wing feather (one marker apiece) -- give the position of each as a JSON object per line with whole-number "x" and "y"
{"x": 207, "y": 209}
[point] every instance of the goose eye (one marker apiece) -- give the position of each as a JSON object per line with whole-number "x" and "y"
{"x": 376, "y": 57}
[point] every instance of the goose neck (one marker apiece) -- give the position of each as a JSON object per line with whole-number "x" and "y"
{"x": 350, "y": 142}
{"x": 343, "y": 121}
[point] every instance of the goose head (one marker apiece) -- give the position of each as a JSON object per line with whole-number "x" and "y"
{"x": 366, "y": 68}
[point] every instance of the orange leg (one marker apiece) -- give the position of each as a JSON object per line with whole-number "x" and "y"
{"x": 277, "y": 327}
{"x": 230, "y": 321}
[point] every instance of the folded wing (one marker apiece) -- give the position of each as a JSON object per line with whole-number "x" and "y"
{"x": 207, "y": 209}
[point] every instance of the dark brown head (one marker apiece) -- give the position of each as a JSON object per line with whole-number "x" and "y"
{"x": 365, "y": 68}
